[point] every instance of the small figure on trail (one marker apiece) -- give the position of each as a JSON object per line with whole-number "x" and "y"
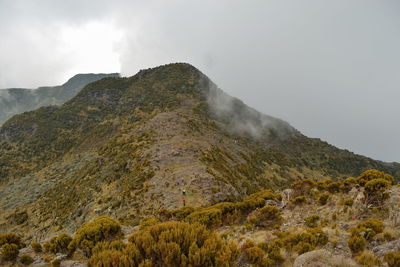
{"x": 184, "y": 202}
{"x": 183, "y": 192}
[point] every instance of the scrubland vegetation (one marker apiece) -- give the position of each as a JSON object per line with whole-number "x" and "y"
{"x": 223, "y": 234}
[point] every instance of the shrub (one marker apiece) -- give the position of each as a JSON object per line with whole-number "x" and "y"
{"x": 37, "y": 247}
{"x": 9, "y": 252}
{"x": 56, "y": 263}
{"x": 303, "y": 247}
{"x": 392, "y": 259}
{"x": 128, "y": 256}
{"x": 254, "y": 255}
{"x": 367, "y": 259}
{"x": 312, "y": 220}
{"x": 348, "y": 184}
{"x": 298, "y": 200}
{"x": 148, "y": 222}
{"x": 370, "y": 175}
{"x": 182, "y": 244}
{"x": 11, "y": 238}
{"x": 209, "y": 217}
{"x": 26, "y": 259}
{"x": 304, "y": 241}
{"x": 375, "y": 192}
{"x": 302, "y": 187}
{"x": 357, "y": 244}
{"x": 348, "y": 202}
{"x": 268, "y": 217}
{"x": 368, "y": 228}
{"x": 334, "y": 187}
{"x": 100, "y": 229}
{"x": 257, "y": 200}
{"x": 58, "y": 244}
{"x": 323, "y": 198}
{"x": 323, "y": 184}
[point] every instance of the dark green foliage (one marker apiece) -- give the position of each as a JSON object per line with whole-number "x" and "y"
{"x": 26, "y": 259}
{"x": 209, "y": 217}
{"x": 375, "y": 191}
{"x": 372, "y": 174}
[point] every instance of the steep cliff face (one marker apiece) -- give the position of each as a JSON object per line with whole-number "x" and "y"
{"x": 18, "y": 100}
{"x": 127, "y": 147}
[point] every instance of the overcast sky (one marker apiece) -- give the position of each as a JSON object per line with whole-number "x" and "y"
{"x": 331, "y": 68}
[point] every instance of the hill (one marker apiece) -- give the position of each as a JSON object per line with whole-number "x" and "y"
{"x": 17, "y": 100}
{"x": 128, "y": 147}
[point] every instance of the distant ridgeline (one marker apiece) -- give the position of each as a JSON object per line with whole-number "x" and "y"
{"x": 18, "y": 100}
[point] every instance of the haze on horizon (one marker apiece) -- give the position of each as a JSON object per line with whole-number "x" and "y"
{"x": 329, "y": 68}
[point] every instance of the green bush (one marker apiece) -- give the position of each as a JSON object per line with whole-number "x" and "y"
{"x": 392, "y": 259}
{"x": 37, "y": 247}
{"x": 348, "y": 184}
{"x": 357, "y": 244}
{"x": 312, "y": 220}
{"x": 254, "y": 255}
{"x": 304, "y": 241}
{"x": 100, "y": 229}
{"x": 183, "y": 244}
{"x": 268, "y": 217}
{"x": 116, "y": 255}
{"x": 9, "y": 252}
{"x": 26, "y": 259}
{"x": 323, "y": 198}
{"x": 148, "y": 222}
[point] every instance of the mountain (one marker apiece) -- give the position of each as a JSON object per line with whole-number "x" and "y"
{"x": 128, "y": 147}
{"x": 17, "y": 100}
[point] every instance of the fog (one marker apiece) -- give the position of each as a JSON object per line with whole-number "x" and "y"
{"x": 329, "y": 68}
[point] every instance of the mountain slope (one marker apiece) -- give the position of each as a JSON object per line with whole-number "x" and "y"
{"x": 127, "y": 147}
{"x": 17, "y": 100}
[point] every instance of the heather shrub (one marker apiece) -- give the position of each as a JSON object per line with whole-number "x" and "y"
{"x": 298, "y": 200}
{"x": 9, "y": 252}
{"x": 209, "y": 217}
{"x": 257, "y": 200}
{"x": 348, "y": 202}
{"x": 183, "y": 244}
{"x": 370, "y": 175}
{"x": 37, "y": 247}
{"x": 333, "y": 187}
{"x": 312, "y": 220}
{"x": 26, "y": 259}
{"x": 368, "y": 228}
{"x": 323, "y": 198}
{"x": 11, "y": 238}
{"x": 392, "y": 259}
{"x": 267, "y": 217}
{"x": 100, "y": 229}
{"x": 148, "y": 222}
{"x": 348, "y": 184}
{"x": 357, "y": 244}
{"x": 375, "y": 192}
{"x": 304, "y": 241}
{"x": 302, "y": 187}
{"x": 127, "y": 255}
{"x": 58, "y": 244}
{"x": 367, "y": 259}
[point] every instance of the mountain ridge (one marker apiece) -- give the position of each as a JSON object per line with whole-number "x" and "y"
{"x": 127, "y": 147}
{"x": 17, "y": 100}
